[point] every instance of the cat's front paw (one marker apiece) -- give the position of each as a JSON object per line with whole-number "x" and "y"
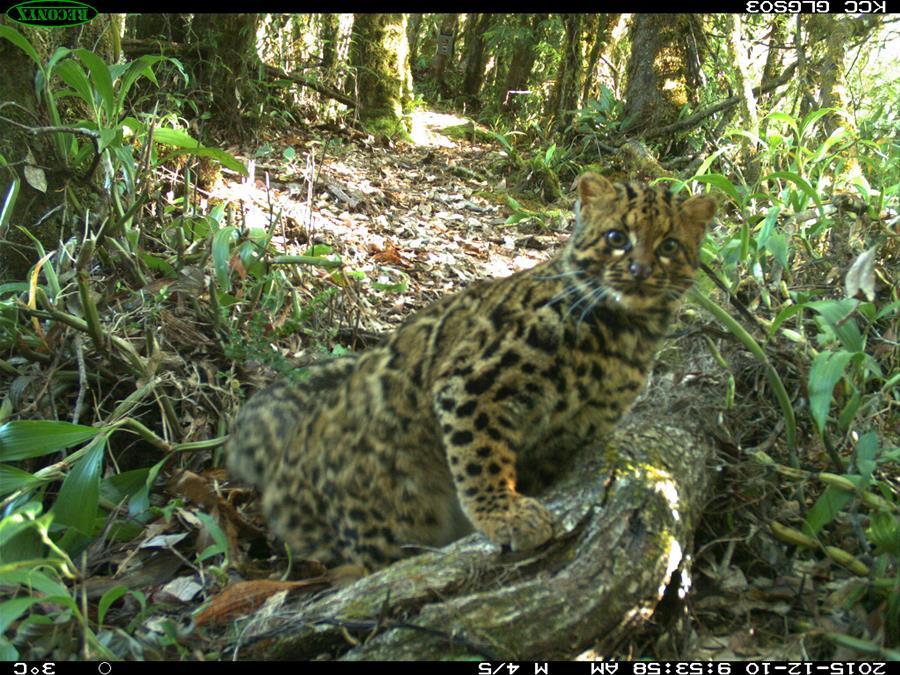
{"x": 523, "y": 525}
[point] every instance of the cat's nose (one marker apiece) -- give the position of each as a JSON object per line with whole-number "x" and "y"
{"x": 640, "y": 271}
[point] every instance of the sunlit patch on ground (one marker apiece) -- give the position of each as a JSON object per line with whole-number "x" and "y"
{"x": 427, "y": 126}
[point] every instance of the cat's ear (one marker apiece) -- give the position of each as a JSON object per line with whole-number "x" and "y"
{"x": 698, "y": 212}
{"x": 592, "y": 187}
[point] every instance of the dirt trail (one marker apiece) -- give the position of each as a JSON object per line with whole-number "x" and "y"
{"x": 412, "y": 217}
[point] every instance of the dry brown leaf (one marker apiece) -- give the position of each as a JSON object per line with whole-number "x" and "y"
{"x": 244, "y": 597}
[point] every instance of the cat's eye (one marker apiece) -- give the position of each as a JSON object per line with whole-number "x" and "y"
{"x": 617, "y": 238}
{"x": 669, "y": 247}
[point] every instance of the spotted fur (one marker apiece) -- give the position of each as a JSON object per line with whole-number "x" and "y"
{"x": 481, "y": 395}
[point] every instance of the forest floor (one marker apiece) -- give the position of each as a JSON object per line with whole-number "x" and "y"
{"x": 418, "y": 219}
{"x": 412, "y": 222}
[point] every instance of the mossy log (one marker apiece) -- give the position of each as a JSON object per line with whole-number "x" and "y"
{"x": 629, "y": 508}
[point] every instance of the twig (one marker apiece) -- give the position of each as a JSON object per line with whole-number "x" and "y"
{"x": 315, "y": 85}
{"x": 305, "y": 260}
{"x": 78, "y": 131}
{"x": 82, "y": 379}
{"x": 741, "y": 308}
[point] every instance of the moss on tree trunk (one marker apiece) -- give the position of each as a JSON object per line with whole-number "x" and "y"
{"x": 379, "y": 54}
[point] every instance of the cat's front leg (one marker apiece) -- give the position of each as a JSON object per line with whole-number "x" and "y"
{"x": 480, "y": 434}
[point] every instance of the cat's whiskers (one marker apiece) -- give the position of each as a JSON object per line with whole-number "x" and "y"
{"x": 594, "y": 294}
{"x": 596, "y": 298}
{"x": 561, "y": 275}
{"x": 570, "y": 290}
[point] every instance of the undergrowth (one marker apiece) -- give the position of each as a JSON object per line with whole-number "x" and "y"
{"x": 124, "y": 348}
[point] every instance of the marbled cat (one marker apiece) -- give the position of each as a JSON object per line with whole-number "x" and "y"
{"x": 478, "y": 400}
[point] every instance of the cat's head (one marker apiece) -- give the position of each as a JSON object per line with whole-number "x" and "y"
{"x": 639, "y": 242}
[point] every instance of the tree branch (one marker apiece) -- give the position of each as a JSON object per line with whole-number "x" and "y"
{"x": 693, "y": 120}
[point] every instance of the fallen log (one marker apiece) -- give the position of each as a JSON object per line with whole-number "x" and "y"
{"x": 629, "y": 508}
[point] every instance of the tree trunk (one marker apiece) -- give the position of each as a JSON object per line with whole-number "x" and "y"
{"x": 328, "y": 38}
{"x": 747, "y": 105}
{"x": 444, "y": 50}
{"x": 567, "y": 87}
{"x": 836, "y": 33}
{"x": 629, "y": 508}
{"x": 658, "y": 79}
{"x": 413, "y": 30}
{"x": 475, "y": 57}
{"x": 602, "y": 37}
{"x": 778, "y": 39}
{"x": 231, "y": 72}
{"x": 379, "y": 55}
{"x": 522, "y": 62}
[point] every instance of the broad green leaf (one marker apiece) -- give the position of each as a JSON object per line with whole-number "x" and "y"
{"x": 784, "y": 117}
{"x": 867, "y": 451}
{"x": 837, "y": 316}
{"x": 218, "y": 536}
{"x": 513, "y": 204}
{"x": 398, "y": 287}
{"x": 22, "y": 43}
{"x": 136, "y": 68}
{"x": 154, "y": 262}
{"x": 704, "y": 167}
{"x": 884, "y": 532}
{"x": 811, "y": 118}
{"x": 786, "y": 313}
{"x": 889, "y": 310}
{"x": 60, "y": 54}
{"x": 768, "y": 225}
{"x": 777, "y": 246}
{"x": 12, "y": 479}
{"x": 827, "y": 506}
{"x": 319, "y": 250}
{"x": 9, "y": 201}
{"x": 183, "y": 140}
{"x": 549, "y": 154}
{"x": 122, "y": 485}
{"x": 33, "y": 579}
{"x": 845, "y": 419}
{"x": 827, "y": 370}
{"x": 108, "y": 137}
{"x": 800, "y": 182}
{"x": 221, "y": 252}
{"x": 26, "y": 439}
{"x": 7, "y": 651}
{"x": 743, "y": 133}
{"x": 745, "y": 241}
{"x": 107, "y": 599}
{"x": 73, "y": 75}
{"x": 140, "y": 500}
{"x": 721, "y": 182}
{"x": 11, "y": 526}
{"x": 502, "y": 140}
{"x": 13, "y": 609}
{"x": 216, "y": 213}
{"x": 78, "y": 499}
{"x": 835, "y": 136}
{"x": 102, "y": 81}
